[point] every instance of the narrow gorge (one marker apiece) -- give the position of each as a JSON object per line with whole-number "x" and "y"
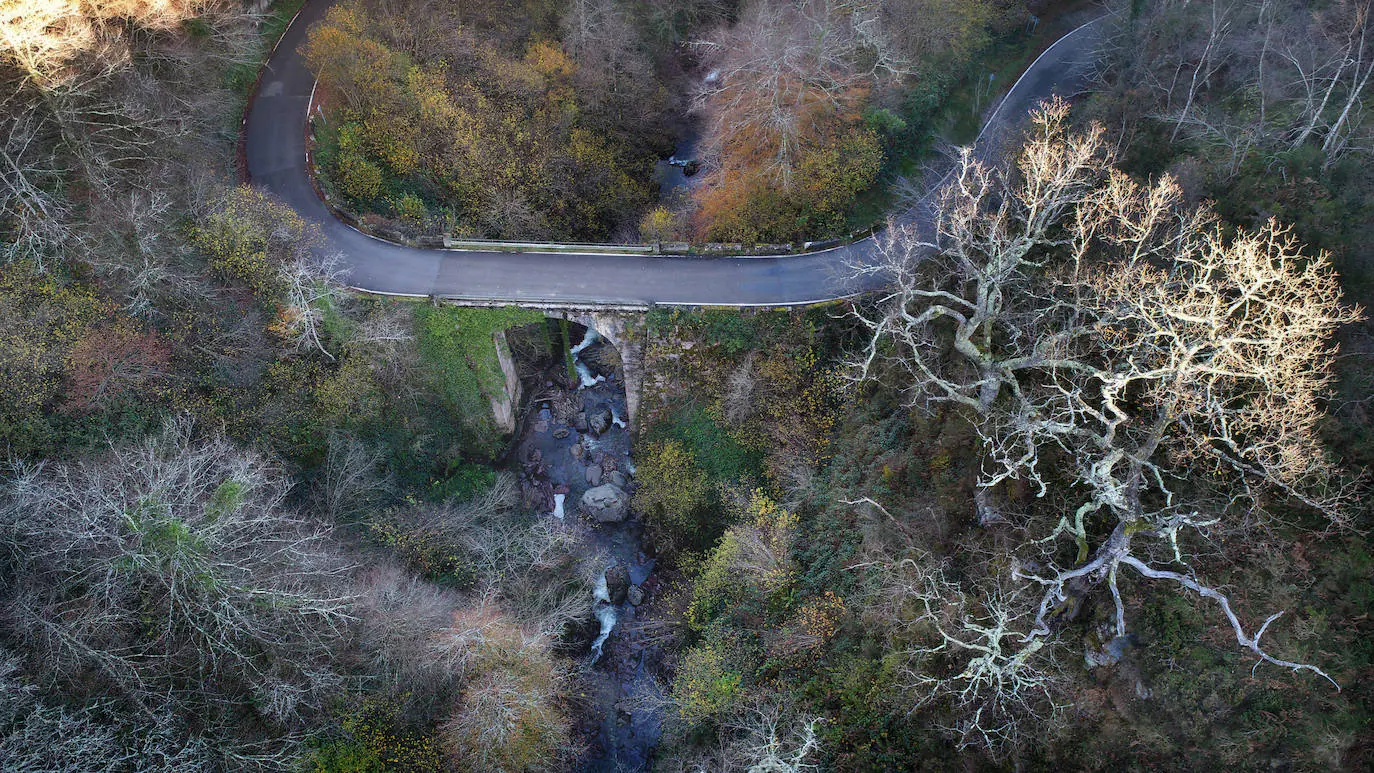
{"x": 574, "y": 456}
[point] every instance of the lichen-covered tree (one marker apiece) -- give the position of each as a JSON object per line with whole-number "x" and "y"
{"x": 1153, "y": 377}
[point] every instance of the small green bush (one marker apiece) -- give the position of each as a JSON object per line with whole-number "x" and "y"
{"x": 705, "y": 687}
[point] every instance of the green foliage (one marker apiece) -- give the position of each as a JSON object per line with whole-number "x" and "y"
{"x": 430, "y": 553}
{"x": 731, "y": 330}
{"x": 660, "y": 224}
{"x": 749, "y": 573}
{"x": 162, "y": 536}
{"x": 225, "y": 499}
{"x": 689, "y": 461}
{"x": 284, "y": 413}
{"x": 388, "y": 396}
{"x": 345, "y": 757}
{"x": 197, "y": 28}
{"x": 885, "y": 122}
{"x": 458, "y": 353}
{"x": 409, "y": 208}
{"x": 359, "y": 178}
{"x": 706, "y": 686}
{"x": 42, "y": 318}
{"x": 374, "y": 741}
{"x": 674, "y": 494}
{"x": 247, "y": 236}
{"x": 873, "y": 728}
{"x": 948, "y": 98}
{"x": 717, "y": 453}
{"x": 349, "y": 395}
{"x": 832, "y": 545}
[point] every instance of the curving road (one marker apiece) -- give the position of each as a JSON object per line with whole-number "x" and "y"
{"x": 275, "y": 132}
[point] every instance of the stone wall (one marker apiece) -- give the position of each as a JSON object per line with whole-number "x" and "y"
{"x": 504, "y": 406}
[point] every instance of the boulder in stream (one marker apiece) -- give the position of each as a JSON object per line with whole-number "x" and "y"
{"x": 594, "y": 475}
{"x": 635, "y": 595}
{"x": 618, "y": 583}
{"x": 599, "y": 421}
{"x": 618, "y": 479}
{"x": 606, "y": 503}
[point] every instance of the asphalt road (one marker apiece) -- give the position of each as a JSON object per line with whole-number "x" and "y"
{"x": 275, "y": 134}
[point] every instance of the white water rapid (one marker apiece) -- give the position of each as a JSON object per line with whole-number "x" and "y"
{"x": 605, "y": 615}
{"x": 583, "y": 372}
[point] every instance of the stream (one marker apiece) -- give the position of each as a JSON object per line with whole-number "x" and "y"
{"x": 678, "y": 171}
{"x": 575, "y": 465}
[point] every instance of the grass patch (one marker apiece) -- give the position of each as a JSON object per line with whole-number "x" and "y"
{"x": 458, "y": 355}
{"x": 733, "y": 330}
{"x": 464, "y": 481}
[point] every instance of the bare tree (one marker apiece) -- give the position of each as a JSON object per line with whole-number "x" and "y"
{"x": 998, "y": 681}
{"x": 34, "y": 217}
{"x": 1208, "y": 61}
{"x": 110, "y": 98}
{"x": 1304, "y": 66}
{"x": 1360, "y": 58}
{"x": 775, "y": 72}
{"x": 170, "y": 572}
{"x": 1151, "y": 375}
{"x": 352, "y": 471}
{"x": 776, "y": 743}
{"x": 768, "y": 736}
{"x": 535, "y": 567}
{"x": 508, "y": 717}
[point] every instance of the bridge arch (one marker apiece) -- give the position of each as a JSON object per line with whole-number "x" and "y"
{"x": 621, "y": 329}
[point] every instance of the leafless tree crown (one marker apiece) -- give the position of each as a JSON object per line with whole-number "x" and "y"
{"x": 1148, "y": 373}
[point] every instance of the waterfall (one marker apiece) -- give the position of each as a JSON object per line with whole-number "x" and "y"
{"x": 605, "y": 614}
{"x": 583, "y": 372}
{"x": 558, "y": 506}
{"x": 602, "y": 592}
{"x": 587, "y": 340}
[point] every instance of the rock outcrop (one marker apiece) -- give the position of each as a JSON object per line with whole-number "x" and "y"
{"x": 618, "y": 583}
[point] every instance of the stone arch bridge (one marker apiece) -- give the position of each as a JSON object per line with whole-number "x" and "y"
{"x": 623, "y": 327}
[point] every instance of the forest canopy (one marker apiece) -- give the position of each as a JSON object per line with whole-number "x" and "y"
{"x": 490, "y": 122}
{"x": 546, "y": 124}
{"x": 1085, "y": 487}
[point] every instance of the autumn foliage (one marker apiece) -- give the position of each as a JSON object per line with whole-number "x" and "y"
{"x": 792, "y": 106}
{"x": 482, "y": 131}
{"x": 112, "y": 360}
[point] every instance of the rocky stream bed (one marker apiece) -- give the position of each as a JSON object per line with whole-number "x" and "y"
{"x": 575, "y": 464}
